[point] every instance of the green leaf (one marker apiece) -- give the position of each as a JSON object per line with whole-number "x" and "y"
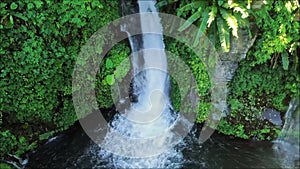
{"x": 13, "y": 6}
{"x": 285, "y": 60}
{"x": 11, "y": 19}
{"x": 212, "y": 15}
{"x": 38, "y": 3}
{"x": 220, "y": 2}
{"x": 110, "y": 79}
{"x": 191, "y": 20}
{"x": 30, "y": 6}
{"x": 165, "y": 3}
{"x": 231, "y": 21}
{"x": 191, "y": 6}
{"x": 109, "y": 64}
{"x": 202, "y": 27}
{"x": 21, "y": 16}
{"x": 224, "y": 35}
{"x": 97, "y": 4}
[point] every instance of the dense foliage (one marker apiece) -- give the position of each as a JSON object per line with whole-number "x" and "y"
{"x": 253, "y": 89}
{"x": 216, "y": 18}
{"x": 40, "y": 41}
{"x": 200, "y": 74}
{"x": 269, "y": 77}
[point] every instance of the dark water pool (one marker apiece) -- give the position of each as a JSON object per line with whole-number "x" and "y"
{"x": 74, "y": 149}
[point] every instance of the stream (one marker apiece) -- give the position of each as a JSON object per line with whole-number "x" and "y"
{"x": 74, "y": 149}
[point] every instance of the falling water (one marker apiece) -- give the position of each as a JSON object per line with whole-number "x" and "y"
{"x": 142, "y": 136}
{"x": 287, "y": 144}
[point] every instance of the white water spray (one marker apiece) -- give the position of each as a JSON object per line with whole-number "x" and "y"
{"x": 142, "y": 136}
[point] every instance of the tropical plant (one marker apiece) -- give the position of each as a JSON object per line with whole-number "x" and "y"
{"x": 221, "y": 17}
{"x": 279, "y": 36}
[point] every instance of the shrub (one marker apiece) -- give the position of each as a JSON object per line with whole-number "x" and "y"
{"x": 40, "y": 41}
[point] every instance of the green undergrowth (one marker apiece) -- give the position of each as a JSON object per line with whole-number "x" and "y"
{"x": 253, "y": 89}
{"x": 39, "y": 43}
{"x": 199, "y": 73}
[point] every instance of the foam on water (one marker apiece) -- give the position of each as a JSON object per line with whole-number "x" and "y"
{"x": 143, "y": 136}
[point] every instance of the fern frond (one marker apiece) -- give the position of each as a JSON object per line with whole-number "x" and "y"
{"x": 191, "y": 20}
{"x": 224, "y": 34}
{"x": 239, "y": 8}
{"x": 212, "y": 15}
{"x": 202, "y": 27}
{"x": 231, "y": 22}
{"x": 249, "y": 4}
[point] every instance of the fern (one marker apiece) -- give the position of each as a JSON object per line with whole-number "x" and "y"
{"x": 212, "y": 15}
{"x": 228, "y": 16}
{"x": 224, "y": 35}
{"x": 231, "y": 21}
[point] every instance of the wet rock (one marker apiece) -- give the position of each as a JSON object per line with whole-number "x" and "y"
{"x": 272, "y": 116}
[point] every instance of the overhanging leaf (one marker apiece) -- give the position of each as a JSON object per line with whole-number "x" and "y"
{"x": 202, "y": 27}
{"x": 191, "y": 20}
{"x": 212, "y": 15}
{"x": 224, "y": 35}
{"x": 231, "y": 22}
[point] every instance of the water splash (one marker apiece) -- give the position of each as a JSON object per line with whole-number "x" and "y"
{"x": 142, "y": 136}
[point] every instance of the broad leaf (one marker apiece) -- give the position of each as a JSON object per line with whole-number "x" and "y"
{"x": 13, "y": 6}
{"x": 110, "y": 79}
{"x": 224, "y": 35}
{"x": 109, "y": 64}
{"x": 202, "y": 27}
{"x": 191, "y": 20}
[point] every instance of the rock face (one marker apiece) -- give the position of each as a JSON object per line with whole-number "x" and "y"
{"x": 287, "y": 144}
{"x": 272, "y": 116}
{"x": 227, "y": 66}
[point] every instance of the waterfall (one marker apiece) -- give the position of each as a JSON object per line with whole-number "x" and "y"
{"x": 142, "y": 136}
{"x": 287, "y": 144}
